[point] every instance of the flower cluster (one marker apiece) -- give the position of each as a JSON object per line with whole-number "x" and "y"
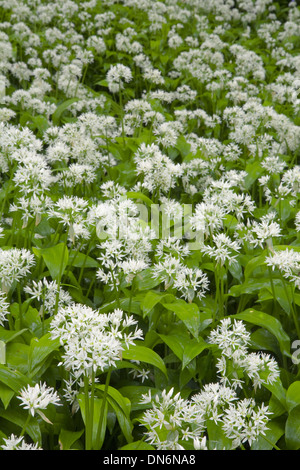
{"x": 92, "y": 341}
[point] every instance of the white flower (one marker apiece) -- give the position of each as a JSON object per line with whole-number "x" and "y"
{"x": 92, "y": 340}
{"x": 287, "y": 262}
{"x": 233, "y": 340}
{"x": 245, "y": 421}
{"x": 116, "y": 75}
{"x": 15, "y": 264}
{"x": 46, "y": 293}
{"x": 158, "y": 170}
{"x": 4, "y": 308}
{"x": 38, "y": 397}
{"x": 222, "y": 250}
{"x": 17, "y": 443}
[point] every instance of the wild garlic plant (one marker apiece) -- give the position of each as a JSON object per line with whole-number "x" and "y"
{"x": 149, "y": 227}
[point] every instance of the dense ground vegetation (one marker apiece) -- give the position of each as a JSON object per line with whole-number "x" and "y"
{"x": 150, "y": 224}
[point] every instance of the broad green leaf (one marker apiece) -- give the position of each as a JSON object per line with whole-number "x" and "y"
{"x": 189, "y": 314}
{"x": 236, "y": 271}
{"x": 12, "y": 378}
{"x": 254, "y": 171}
{"x": 253, "y": 285}
{"x": 61, "y": 108}
{"x": 56, "y": 258}
{"x": 175, "y": 344}
{"x": 141, "y": 196}
{"x": 19, "y": 417}
{"x": 121, "y": 406}
{"x": 151, "y": 299}
{"x": 97, "y": 444}
{"x": 41, "y": 123}
{"x": 217, "y": 438}
{"x": 262, "y": 339}
{"x": 293, "y": 395}
{"x": 134, "y": 394}
{"x": 274, "y": 432}
{"x": 124, "y": 304}
{"x": 143, "y": 354}
{"x": 187, "y": 373}
{"x": 255, "y": 263}
{"x": 192, "y": 350}
{"x": 102, "y": 83}
{"x": 40, "y": 350}
{"x": 80, "y": 260}
{"x": 276, "y": 388}
{"x": 68, "y": 438}
{"x": 292, "y": 429}
{"x": 6, "y": 394}
{"x": 2, "y": 352}
{"x": 182, "y": 145}
{"x": 145, "y": 280}
{"x": 281, "y": 296}
{"x": 137, "y": 445}
{"x": 270, "y": 323}
{"x": 17, "y": 356}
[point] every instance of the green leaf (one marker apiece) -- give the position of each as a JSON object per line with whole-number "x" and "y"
{"x": 134, "y": 394}
{"x": 121, "y": 406}
{"x": 137, "y": 445}
{"x": 141, "y": 196}
{"x": 102, "y": 83}
{"x": 56, "y": 258}
{"x": 41, "y": 123}
{"x": 145, "y": 280}
{"x": 2, "y": 352}
{"x": 253, "y": 264}
{"x": 17, "y": 356}
{"x": 254, "y": 171}
{"x": 217, "y": 438}
{"x": 40, "y": 350}
{"x": 276, "y": 388}
{"x": 292, "y": 429}
{"x": 189, "y": 314}
{"x": 175, "y": 344}
{"x": 12, "y": 378}
{"x": 96, "y": 419}
{"x": 68, "y": 438}
{"x": 6, "y": 394}
{"x": 192, "y": 350}
{"x": 293, "y": 395}
{"x": 19, "y": 417}
{"x": 262, "y": 339}
{"x": 273, "y": 434}
{"x": 60, "y": 109}
{"x": 270, "y": 323}
{"x": 183, "y": 346}
{"x": 80, "y": 260}
{"x": 143, "y": 354}
{"x": 151, "y": 299}
{"x": 182, "y": 145}
{"x": 253, "y": 285}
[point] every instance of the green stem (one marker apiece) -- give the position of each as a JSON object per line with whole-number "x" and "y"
{"x": 92, "y": 402}
{"x": 273, "y": 289}
{"x": 296, "y": 323}
{"x": 25, "y": 425}
{"x": 271, "y": 443}
{"x": 20, "y": 305}
{"x": 222, "y": 296}
{"x": 60, "y": 276}
{"x": 88, "y": 440}
{"x": 85, "y": 260}
{"x": 103, "y": 406}
{"x": 131, "y": 296}
{"x": 122, "y": 113}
